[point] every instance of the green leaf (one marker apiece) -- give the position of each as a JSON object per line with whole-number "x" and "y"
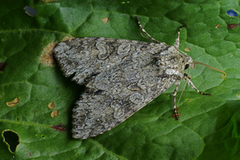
{"x": 208, "y": 127}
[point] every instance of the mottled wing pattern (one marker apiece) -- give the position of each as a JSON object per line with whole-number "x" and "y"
{"x": 88, "y": 56}
{"x": 121, "y": 77}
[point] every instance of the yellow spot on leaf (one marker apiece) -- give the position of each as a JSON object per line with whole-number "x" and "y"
{"x": 13, "y": 103}
{"x": 54, "y": 113}
{"x": 51, "y": 105}
{"x": 187, "y": 49}
{"x": 67, "y": 38}
{"x": 47, "y": 57}
{"x": 218, "y": 25}
{"x": 105, "y": 20}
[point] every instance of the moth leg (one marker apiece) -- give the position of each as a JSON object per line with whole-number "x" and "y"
{"x": 187, "y": 78}
{"x": 178, "y": 38}
{"x": 141, "y": 29}
{"x": 176, "y": 114}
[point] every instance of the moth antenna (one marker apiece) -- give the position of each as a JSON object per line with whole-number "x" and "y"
{"x": 141, "y": 29}
{"x": 223, "y": 76}
{"x": 178, "y": 38}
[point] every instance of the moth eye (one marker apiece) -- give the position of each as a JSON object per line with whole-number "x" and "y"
{"x": 186, "y": 66}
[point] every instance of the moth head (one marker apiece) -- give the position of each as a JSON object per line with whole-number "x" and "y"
{"x": 189, "y": 63}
